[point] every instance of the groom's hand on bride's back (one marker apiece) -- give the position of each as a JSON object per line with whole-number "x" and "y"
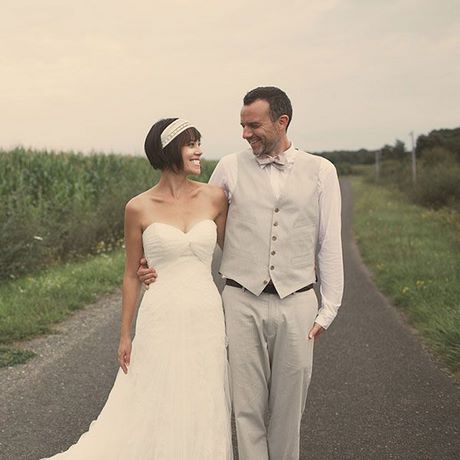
{"x": 145, "y": 274}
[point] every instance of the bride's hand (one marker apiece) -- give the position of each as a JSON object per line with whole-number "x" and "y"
{"x": 124, "y": 353}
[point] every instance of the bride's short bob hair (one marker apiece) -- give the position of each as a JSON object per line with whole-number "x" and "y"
{"x": 169, "y": 157}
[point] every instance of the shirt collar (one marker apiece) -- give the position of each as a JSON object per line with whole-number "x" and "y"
{"x": 290, "y": 153}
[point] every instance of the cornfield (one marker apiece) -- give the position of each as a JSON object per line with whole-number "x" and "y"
{"x": 59, "y": 206}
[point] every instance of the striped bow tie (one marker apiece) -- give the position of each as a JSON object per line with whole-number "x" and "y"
{"x": 279, "y": 161}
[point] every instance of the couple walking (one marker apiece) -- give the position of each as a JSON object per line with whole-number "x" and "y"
{"x": 274, "y": 210}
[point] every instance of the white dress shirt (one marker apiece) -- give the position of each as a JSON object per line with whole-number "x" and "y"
{"x": 329, "y": 250}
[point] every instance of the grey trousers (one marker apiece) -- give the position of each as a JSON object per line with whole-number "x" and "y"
{"x": 270, "y": 366}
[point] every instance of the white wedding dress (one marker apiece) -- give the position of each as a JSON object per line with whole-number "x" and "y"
{"x": 174, "y": 402}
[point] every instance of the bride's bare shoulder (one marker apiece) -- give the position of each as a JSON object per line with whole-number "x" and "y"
{"x": 138, "y": 203}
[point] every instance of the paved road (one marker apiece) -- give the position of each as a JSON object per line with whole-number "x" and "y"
{"x": 375, "y": 393}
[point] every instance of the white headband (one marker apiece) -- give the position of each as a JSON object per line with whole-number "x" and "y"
{"x": 173, "y": 130}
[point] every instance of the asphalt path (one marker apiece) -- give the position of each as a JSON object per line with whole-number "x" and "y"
{"x": 376, "y": 393}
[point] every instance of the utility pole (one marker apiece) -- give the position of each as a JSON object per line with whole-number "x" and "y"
{"x": 414, "y": 166}
{"x": 377, "y": 164}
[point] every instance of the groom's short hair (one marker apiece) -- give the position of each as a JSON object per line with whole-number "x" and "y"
{"x": 169, "y": 157}
{"x": 277, "y": 100}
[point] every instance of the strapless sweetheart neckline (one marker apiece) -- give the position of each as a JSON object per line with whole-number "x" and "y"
{"x": 177, "y": 228}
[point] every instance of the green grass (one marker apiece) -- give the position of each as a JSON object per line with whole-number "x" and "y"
{"x": 10, "y": 356}
{"x": 30, "y": 305}
{"x": 414, "y": 254}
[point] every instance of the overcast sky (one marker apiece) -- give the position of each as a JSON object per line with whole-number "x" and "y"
{"x": 95, "y": 75}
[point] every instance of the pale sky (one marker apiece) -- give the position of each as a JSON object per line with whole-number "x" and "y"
{"x": 95, "y": 75}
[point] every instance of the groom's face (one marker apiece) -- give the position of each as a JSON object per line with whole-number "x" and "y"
{"x": 259, "y": 130}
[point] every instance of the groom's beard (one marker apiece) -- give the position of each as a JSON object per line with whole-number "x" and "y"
{"x": 263, "y": 146}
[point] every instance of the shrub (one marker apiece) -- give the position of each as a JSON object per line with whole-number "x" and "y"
{"x": 438, "y": 186}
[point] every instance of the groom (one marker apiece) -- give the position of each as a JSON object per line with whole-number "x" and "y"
{"x": 282, "y": 232}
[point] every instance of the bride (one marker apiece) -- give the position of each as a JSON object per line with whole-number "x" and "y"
{"x": 170, "y": 399}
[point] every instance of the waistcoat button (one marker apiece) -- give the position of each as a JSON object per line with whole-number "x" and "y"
{"x": 272, "y": 267}
{"x": 277, "y": 210}
{"x": 273, "y": 253}
{"x": 274, "y": 238}
{"x": 275, "y": 224}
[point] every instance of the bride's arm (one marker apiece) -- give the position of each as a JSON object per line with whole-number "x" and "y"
{"x": 131, "y": 283}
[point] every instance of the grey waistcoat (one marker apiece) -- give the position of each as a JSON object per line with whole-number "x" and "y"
{"x": 268, "y": 238}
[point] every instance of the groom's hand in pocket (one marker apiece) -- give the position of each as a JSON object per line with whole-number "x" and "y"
{"x": 145, "y": 274}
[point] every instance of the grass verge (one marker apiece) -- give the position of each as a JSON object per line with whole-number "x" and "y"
{"x": 30, "y": 305}
{"x": 414, "y": 256}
